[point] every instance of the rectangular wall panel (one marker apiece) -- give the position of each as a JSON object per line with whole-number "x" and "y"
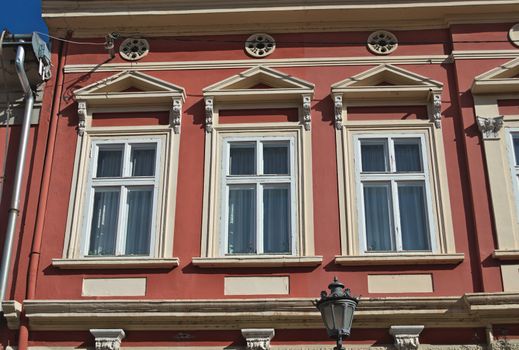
{"x": 256, "y": 285}
{"x": 104, "y": 287}
{"x": 422, "y": 283}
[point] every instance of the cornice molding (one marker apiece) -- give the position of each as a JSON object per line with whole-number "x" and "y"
{"x": 178, "y": 17}
{"x": 470, "y": 310}
{"x": 11, "y": 310}
{"x": 272, "y": 63}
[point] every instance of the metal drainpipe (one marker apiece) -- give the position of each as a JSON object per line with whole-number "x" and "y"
{"x": 18, "y": 177}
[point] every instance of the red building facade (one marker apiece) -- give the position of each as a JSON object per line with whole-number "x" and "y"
{"x": 202, "y": 186}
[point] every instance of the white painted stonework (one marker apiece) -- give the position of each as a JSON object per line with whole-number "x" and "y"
{"x": 258, "y": 338}
{"x": 103, "y": 287}
{"x": 108, "y": 339}
{"x": 256, "y": 285}
{"x": 406, "y": 337}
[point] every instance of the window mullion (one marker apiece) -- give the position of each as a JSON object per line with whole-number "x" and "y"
{"x": 259, "y": 218}
{"x": 122, "y": 222}
{"x": 396, "y": 216}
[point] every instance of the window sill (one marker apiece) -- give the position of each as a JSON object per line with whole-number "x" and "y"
{"x": 399, "y": 259}
{"x": 115, "y": 263}
{"x": 502, "y": 254}
{"x": 258, "y": 261}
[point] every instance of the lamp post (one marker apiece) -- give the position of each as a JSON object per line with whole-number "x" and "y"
{"x": 337, "y": 310}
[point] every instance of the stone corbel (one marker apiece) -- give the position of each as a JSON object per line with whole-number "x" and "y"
{"x": 437, "y": 110}
{"x": 337, "y": 102}
{"x": 406, "y": 337}
{"x": 82, "y": 115}
{"x": 490, "y": 127}
{"x": 307, "y": 114}
{"x": 176, "y": 114}
{"x": 258, "y": 339}
{"x": 11, "y": 311}
{"x": 108, "y": 339}
{"x": 209, "y": 111}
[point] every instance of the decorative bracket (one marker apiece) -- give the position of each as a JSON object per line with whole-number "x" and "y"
{"x": 176, "y": 114}
{"x": 82, "y": 115}
{"x": 437, "y": 110}
{"x": 258, "y": 339}
{"x": 490, "y": 127}
{"x": 337, "y": 102}
{"x": 406, "y": 337}
{"x": 209, "y": 111}
{"x": 307, "y": 116}
{"x": 108, "y": 339}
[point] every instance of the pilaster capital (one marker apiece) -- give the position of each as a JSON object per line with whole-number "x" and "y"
{"x": 258, "y": 339}
{"x": 406, "y": 337}
{"x": 108, "y": 339}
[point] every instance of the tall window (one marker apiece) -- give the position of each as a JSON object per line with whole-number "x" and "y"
{"x": 392, "y": 182}
{"x": 122, "y": 196}
{"x": 258, "y": 216}
{"x": 514, "y": 166}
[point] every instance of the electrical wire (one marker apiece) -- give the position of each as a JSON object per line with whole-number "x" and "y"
{"x": 72, "y": 41}
{"x": 346, "y": 43}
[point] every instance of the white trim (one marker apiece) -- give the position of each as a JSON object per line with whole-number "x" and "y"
{"x": 258, "y": 182}
{"x": 212, "y": 231}
{"x": 393, "y": 179}
{"x": 276, "y": 63}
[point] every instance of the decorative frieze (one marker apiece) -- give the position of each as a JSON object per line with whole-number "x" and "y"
{"x": 406, "y": 337}
{"x": 176, "y": 114}
{"x": 490, "y": 127}
{"x": 82, "y": 115}
{"x": 108, "y": 339}
{"x": 258, "y": 339}
{"x": 209, "y": 111}
{"x": 337, "y": 102}
{"x": 307, "y": 114}
{"x": 437, "y": 110}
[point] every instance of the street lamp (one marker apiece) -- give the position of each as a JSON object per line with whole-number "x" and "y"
{"x": 337, "y": 310}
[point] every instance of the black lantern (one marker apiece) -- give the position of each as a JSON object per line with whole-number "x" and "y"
{"x": 337, "y": 310}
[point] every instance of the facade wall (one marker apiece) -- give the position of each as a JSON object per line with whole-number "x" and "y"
{"x": 453, "y": 55}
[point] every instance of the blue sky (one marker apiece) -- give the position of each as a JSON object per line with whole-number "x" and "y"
{"x": 22, "y": 16}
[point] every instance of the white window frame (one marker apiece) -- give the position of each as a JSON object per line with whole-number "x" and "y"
{"x": 391, "y": 179}
{"x": 124, "y": 182}
{"x": 514, "y": 168}
{"x": 258, "y": 181}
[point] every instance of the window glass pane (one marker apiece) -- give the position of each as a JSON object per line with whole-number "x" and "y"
{"x": 140, "y": 212}
{"x": 516, "y": 148}
{"x": 408, "y": 156}
{"x": 109, "y": 161}
{"x": 275, "y": 158}
{"x": 276, "y": 220}
{"x": 242, "y": 159}
{"x": 376, "y": 217}
{"x": 143, "y": 160}
{"x": 104, "y": 223}
{"x": 373, "y": 155}
{"x": 413, "y": 217}
{"x": 241, "y": 221}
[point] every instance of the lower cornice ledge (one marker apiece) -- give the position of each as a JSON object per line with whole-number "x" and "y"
{"x": 115, "y": 263}
{"x": 258, "y": 261}
{"x": 470, "y": 310}
{"x": 506, "y": 254}
{"x": 399, "y": 259}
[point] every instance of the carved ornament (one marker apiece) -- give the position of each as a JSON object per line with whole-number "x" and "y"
{"x": 437, "y": 110}
{"x": 209, "y": 111}
{"x": 258, "y": 339}
{"x": 176, "y": 114}
{"x": 490, "y": 127}
{"x": 406, "y": 337}
{"x": 337, "y": 102}
{"x": 82, "y": 115}
{"x": 307, "y": 114}
{"x": 108, "y": 339}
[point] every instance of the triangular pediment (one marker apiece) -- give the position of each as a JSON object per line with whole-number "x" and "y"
{"x": 259, "y": 78}
{"x": 387, "y": 76}
{"x": 129, "y": 82}
{"x": 502, "y": 79}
